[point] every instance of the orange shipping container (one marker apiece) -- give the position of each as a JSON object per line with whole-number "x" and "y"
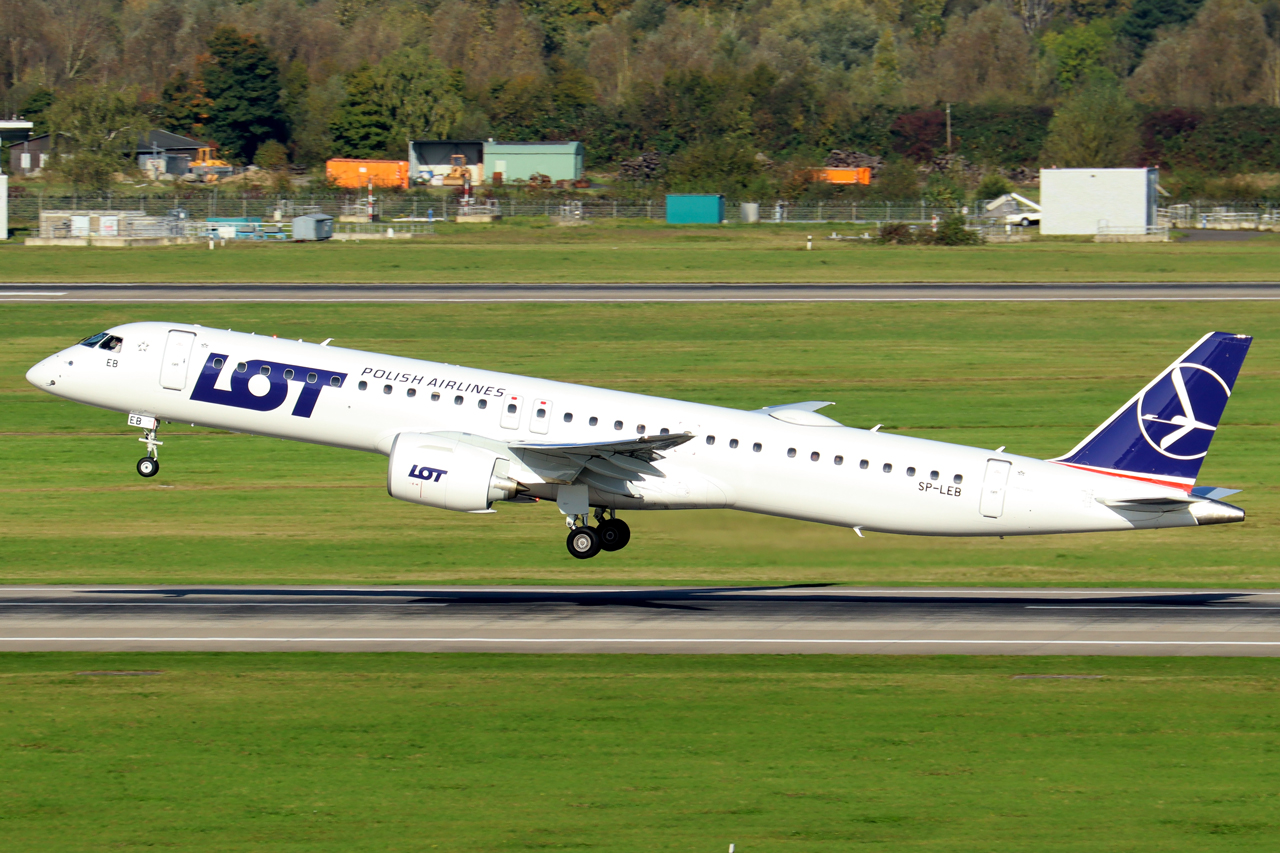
{"x": 355, "y": 174}
{"x": 843, "y": 176}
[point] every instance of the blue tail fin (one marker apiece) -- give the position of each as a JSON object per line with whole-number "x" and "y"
{"x": 1163, "y": 433}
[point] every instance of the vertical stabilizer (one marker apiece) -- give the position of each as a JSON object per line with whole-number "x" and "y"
{"x": 1163, "y": 433}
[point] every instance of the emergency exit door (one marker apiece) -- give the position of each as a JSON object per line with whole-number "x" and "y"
{"x": 177, "y": 357}
{"x": 993, "y": 487}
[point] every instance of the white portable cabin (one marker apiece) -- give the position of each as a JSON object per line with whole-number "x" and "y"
{"x": 1094, "y": 201}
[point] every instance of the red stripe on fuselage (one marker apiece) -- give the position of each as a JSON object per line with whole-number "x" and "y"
{"x": 1185, "y": 487}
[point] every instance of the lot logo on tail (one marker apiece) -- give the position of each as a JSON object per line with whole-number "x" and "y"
{"x": 263, "y": 386}
{"x": 1167, "y": 417}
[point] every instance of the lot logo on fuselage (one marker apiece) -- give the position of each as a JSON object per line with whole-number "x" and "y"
{"x": 263, "y": 386}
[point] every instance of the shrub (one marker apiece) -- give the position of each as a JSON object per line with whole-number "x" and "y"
{"x": 993, "y": 185}
{"x": 952, "y": 232}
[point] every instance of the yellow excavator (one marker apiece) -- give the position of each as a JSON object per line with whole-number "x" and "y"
{"x": 208, "y": 168}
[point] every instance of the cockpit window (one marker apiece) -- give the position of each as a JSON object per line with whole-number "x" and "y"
{"x": 111, "y": 342}
{"x": 93, "y": 340}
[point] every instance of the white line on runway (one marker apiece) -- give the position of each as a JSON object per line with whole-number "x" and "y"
{"x": 221, "y": 604}
{"x": 645, "y": 640}
{"x": 32, "y": 293}
{"x": 1190, "y": 608}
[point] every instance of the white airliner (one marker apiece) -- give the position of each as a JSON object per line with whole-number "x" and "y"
{"x": 466, "y": 439}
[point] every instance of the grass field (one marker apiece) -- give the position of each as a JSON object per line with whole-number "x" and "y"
{"x": 623, "y": 251}
{"x": 237, "y": 509}
{"x": 398, "y": 752}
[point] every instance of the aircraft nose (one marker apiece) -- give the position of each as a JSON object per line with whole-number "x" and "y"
{"x": 43, "y": 375}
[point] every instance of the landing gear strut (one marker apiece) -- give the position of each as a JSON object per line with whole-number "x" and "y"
{"x": 149, "y": 465}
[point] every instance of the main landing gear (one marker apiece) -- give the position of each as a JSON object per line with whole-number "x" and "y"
{"x": 609, "y": 534}
{"x": 149, "y": 465}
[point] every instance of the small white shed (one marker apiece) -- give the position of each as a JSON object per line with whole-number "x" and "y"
{"x": 1098, "y": 201}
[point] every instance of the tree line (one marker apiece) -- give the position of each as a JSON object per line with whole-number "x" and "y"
{"x": 719, "y": 90}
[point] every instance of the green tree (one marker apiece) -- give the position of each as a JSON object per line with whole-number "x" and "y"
{"x": 1146, "y": 16}
{"x": 1079, "y": 51}
{"x": 406, "y": 96}
{"x": 242, "y": 81}
{"x": 95, "y": 132}
{"x": 1096, "y": 128}
{"x": 35, "y": 110}
{"x": 185, "y": 105}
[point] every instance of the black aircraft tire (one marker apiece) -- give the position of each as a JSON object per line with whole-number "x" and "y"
{"x": 614, "y": 534}
{"x": 583, "y": 543}
{"x": 148, "y": 467}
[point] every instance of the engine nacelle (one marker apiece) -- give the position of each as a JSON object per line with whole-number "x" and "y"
{"x": 446, "y": 473}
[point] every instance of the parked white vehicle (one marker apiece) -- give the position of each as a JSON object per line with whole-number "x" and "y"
{"x": 1013, "y": 209}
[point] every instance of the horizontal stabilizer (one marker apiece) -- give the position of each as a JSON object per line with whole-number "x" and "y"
{"x": 1213, "y": 493}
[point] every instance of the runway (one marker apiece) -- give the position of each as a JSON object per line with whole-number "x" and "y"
{"x": 874, "y": 292}
{"x": 804, "y": 619}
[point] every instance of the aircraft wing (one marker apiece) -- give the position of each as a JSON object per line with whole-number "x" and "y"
{"x": 646, "y": 447}
{"x": 609, "y": 466}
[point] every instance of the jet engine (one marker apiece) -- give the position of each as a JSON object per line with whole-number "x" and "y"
{"x": 446, "y": 473}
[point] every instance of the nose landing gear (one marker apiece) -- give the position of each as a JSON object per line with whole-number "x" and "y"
{"x": 149, "y": 465}
{"x": 609, "y": 534}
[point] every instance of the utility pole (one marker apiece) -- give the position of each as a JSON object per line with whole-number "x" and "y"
{"x": 948, "y": 128}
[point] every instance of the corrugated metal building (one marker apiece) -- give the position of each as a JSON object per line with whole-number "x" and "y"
{"x": 35, "y": 153}
{"x": 517, "y": 161}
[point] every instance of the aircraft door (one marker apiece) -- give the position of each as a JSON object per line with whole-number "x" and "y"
{"x": 992, "y": 503}
{"x": 541, "y": 419}
{"x": 177, "y": 357}
{"x": 511, "y": 408}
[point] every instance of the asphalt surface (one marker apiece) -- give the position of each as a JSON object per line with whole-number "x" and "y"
{"x": 783, "y": 620}
{"x": 992, "y": 292}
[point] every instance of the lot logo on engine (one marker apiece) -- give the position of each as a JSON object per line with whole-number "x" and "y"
{"x": 429, "y": 475}
{"x": 263, "y": 386}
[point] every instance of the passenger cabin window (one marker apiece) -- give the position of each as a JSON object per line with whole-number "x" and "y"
{"x": 664, "y": 431}
{"x": 335, "y": 381}
{"x": 412, "y": 392}
{"x": 957, "y": 479}
{"x": 288, "y": 373}
{"x": 363, "y": 385}
{"x": 711, "y": 439}
{"x": 617, "y": 424}
{"x": 265, "y": 370}
{"x": 791, "y": 453}
{"x": 911, "y": 472}
{"x": 733, "y": 443}
{"x": 639, "y": 429}
{"x": 933, "y": 475}
{"x": 757, "y": 447}
{"x": 813, "y": 457}
{"x": 482, "y": 403}
{"x": 864, "y": 464}
{"x": 311, "y": 378}
{"x": 435, "y": 396}
{"x": 242, "y": 367}
{"x": 593, "y": 421}
{"x": 457, "y": 401}
{"x": 541, "y": 413}
{"x": 839, "y": 460}
{"x": 217, "y": 363}
{"x": 386, "y": 389}
{"x": 568, "y": 417}
{"x": 511, "y": 408}
{"x": 887, "y": 468}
